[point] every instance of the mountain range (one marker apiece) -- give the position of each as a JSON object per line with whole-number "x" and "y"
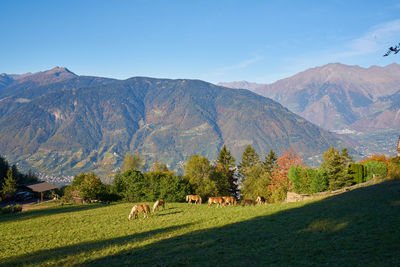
{"x": 60, "y": 123}
{"x": 361, "y": 103}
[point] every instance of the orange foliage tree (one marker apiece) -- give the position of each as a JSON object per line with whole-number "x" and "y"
{"x": 379, "y": 158}
{"x": 280, "y": 183}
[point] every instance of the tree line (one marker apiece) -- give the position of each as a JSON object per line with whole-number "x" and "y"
{"x": 11, "y": 178}
{"x": 271, "y": 177}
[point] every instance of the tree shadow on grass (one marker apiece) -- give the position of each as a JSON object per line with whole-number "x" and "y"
{"x": 30, "y": 214}
{"x": 44, "y": 256}
{"x": 358, "y": 228}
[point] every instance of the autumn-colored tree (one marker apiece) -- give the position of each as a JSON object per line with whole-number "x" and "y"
{"x": 280, "y": 183}
{"x": 392, "y": 164}
{"x": 394, "y": 168}
{"x": 379, "y": 158}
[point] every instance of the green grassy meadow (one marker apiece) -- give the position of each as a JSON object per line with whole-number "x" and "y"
{"x": 357, "y": 228}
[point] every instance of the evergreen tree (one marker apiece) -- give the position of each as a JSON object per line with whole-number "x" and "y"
{"x": 270, "y": 161}
{"x": 335, "y": 164}
{"x": 249, "y": 158}
{"x": 3, "y": 170}
{"x": 254, "y": 181}
{"x": 346, "y": 156}
{"x": 226, "y": 164}
{"x": 10, "y": 184}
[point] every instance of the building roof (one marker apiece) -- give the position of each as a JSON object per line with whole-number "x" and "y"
{"x": 41, "y": 187}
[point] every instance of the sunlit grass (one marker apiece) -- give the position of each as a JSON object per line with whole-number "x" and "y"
{"x": 359, "y": 227}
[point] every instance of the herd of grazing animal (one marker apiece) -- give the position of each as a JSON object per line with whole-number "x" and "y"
{"x": 220, "y": 201}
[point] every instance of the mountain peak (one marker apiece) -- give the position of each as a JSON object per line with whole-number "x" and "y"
{"x": 58, "y": 69}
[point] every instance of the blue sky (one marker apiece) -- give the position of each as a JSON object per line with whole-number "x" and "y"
{"x": 259, "y": 41}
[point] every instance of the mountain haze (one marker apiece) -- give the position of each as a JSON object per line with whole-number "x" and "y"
{"x": 358, "y": 103}
{"x": 336, "y": 96}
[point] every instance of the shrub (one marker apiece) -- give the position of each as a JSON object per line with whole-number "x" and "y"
{"x": 135, "y": 186}
{"x": 375, "y": 168}
{"x": 172, "y": 188}
{"x": 108, "y": 194}
{"x": 300, "y": 178}
{"x": 308, "y": 180}
{"x": 357, "y": 172}
{"x": 394, "y": 168}
{"x": 91, "y": 187}
{"x": 319, "y": 181}
{"x": 67, "y": 195}
{"x": 11, "y": 209}
{"x": 131, "y": 185}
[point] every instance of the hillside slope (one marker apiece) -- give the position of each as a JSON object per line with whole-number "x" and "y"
{"x": 336, "y": 96}
{"x": 90, "y": 128}
{"x": 357, "y": 228}
{"x": 357, "y": 103}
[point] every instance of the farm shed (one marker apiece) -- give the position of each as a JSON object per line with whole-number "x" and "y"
{"x": 41, "y": 187}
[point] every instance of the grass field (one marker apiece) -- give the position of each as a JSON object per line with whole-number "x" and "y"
{"x": 357, "y": 228}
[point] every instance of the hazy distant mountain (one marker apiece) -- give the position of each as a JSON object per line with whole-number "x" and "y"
{"x": 337, "y": 96}
{"x": 360, "y": 103}
{"x": 87, "y": 123}
{"x": 241, "y": 85}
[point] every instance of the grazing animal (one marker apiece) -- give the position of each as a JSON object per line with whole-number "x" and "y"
{"x": 261, "y": 200}
{"x": 139, "y": 208}
{"x": 193, "y": 198}
{"x": 158, "y": 203}
{"x": 217, "y": 200}
{"x": 230, "y": 200}
{"x": 248, "y": 202}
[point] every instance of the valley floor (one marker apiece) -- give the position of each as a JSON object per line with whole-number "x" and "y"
{"x": 360, "y": 227}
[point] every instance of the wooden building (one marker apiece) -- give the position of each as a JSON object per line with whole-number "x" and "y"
{"x": 41, "y": 187}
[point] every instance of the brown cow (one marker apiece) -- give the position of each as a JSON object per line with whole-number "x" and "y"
{"x": 261, "y": 200}
{"x": 139, "y": 208}
{"x": 158, "y": 203}
{"x": 217, "y": 200}
{"x": 248, "y": 202}
{"x": 195, "y": 198}
{"x": 230, "y": 200}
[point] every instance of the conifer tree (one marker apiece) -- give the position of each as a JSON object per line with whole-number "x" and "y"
{"x": 10, "y": 184}
{"x": 255, "y": 179}
{"x": 270, "y": 161}
{"x": 335, "y": 164}
{"x": 226, "y": 164}
{"x": 249, "y": 164}
{"x": 249, "y": 158}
